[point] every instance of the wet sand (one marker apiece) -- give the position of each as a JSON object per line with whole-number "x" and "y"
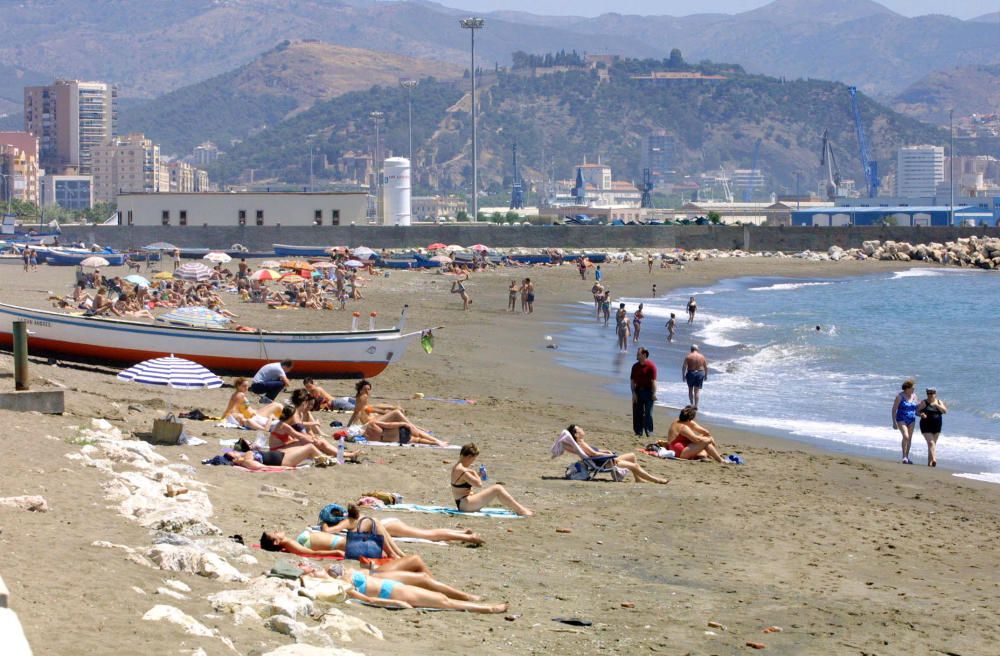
{"x": 848, "y": 555}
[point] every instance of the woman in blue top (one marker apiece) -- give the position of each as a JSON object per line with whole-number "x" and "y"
{"x": 423, "y": 593}
{"x": 904, "y": 417}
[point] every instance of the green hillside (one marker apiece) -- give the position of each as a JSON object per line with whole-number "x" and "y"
{"x": 565, "y": 117}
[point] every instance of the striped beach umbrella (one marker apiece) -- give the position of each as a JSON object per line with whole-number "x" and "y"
{"x": 363, "y": 253}
{"x": 218, "y": 257}
{"x": 193, "y": 271}
{"x": 196, "y": 317}
{"x": 94, "y": 261}
{"x": 171, "y": 371}
{"x": 263, "y": 275}
{"x": 136, "y": 279}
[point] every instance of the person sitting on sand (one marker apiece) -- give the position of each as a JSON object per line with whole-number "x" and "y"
{"x": 289, "y": 458}
{"x": 382, "y": 422}
{"x": 416, "y": 579}
{"x": 243, "y": 414}
{"x": 348, "y": 521}
{"x": 318, "y": 543}
{"x": 390, "y": 593}
{"x": 463, "y": 478}
{"x": 364, "y": 409}
{"x": 322, "y": 400}
{"x": 624, "y": 460}
{"x": 688, "y": 440}
{"x": 288, "y": 434}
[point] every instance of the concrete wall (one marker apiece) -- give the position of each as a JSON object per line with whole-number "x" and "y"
{"x": 222, "y": 210}
{"x": 589, "y": 237}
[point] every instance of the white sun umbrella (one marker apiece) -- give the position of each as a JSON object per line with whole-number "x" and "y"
{"x": 456, "y": 248}
{"x": 195, "y": 316}
{"x": 173, "y": 372}
{"x": 443, "y": 259}
{"x": 270, "y": 264}
{"x": 193, "y": 271}
{"x": 94, "y": 261}
{"x": 363, "y": 253}
{"x": 159, "y": 246}
{"x": 218, "y": 257}
{"x": 354, "y": 264}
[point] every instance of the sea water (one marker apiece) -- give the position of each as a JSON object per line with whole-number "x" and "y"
{"x": 772, "y": 371}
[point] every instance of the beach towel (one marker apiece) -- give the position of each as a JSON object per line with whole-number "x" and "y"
{"x": 501, "y": 513}
{"x": 452, "y": 447}
{"x": 363, "y": 561}
{"x": 229, "y": 422}
{"x": 368, "y": 603}
{"x": 455, "y": 401}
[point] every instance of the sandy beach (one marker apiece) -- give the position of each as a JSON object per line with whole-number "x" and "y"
{"x": 847, "y": 555}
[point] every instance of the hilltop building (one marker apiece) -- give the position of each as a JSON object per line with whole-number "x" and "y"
{"x": 70, "y": 118}
{"x": 19, "y": 170}
{"x": 919, "y": 169}
{"x": 125, "y": 164}
{"x": 206, "y": 153}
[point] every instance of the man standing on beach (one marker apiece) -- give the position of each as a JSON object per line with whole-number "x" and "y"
{"x": 271, "y": 379}
{"x": 694, "y": 371}
{"x": 643, "y": 382}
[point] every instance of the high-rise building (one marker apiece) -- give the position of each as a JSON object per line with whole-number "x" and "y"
{"x": 125, "y": 164}
{"x": 19, "y": 165}
{"x": 181, "y": 177}
{"x": 205, "y": 153}
{"x": 918, "y": 171}
{"x": 70, "y": 118}
{"x": 659, "y": 153}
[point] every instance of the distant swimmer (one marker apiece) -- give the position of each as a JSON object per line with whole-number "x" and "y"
{"x": 654, "y": 290}
{"x": 694, "y": 371}
{"x": 606, "y": 306}
{"x": 637, "y": 323}
{"x": 622, "y": 328}
{"x": 671, "y": 327}
{"x": 818, "y": 329}
{"x": 692, "y": 308}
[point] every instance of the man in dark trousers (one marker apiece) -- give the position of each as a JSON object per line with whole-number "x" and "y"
{"x": 271, "y": 379}
{"x": 643, "y": 381}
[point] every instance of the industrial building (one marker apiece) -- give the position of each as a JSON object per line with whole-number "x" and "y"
{"x": 242, "y": 209}
{"x": 900, "y": 215}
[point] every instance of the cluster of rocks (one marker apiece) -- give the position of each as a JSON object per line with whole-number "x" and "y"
{"x": 977, "y": 252}
{"x": 143, "y": 486}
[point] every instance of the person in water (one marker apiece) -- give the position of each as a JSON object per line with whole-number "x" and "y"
{"x": 904, "y": 417}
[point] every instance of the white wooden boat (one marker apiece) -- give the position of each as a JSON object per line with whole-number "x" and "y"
{"x": 334, "y": 354}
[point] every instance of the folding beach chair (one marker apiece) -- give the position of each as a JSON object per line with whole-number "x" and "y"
{"x": 586, "y": 468}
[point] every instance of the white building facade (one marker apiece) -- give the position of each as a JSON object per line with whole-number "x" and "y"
{"x": 242, "y": 209}
{"x": 919, "y": 169}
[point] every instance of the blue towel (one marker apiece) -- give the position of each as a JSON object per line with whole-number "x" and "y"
{"x": 735, "y": 459}
{"x": 444, "y": 510}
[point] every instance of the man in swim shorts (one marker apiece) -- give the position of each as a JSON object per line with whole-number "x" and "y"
{"x": 694, "y": 371}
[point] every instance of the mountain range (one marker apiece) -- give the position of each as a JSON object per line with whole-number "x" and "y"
{"x": 150, "y": 48}
{"x": 969, "y": 90}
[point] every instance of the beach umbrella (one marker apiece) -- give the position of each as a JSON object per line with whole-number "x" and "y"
{"x": 159, "y": 246}
{"x": 455, "y": 247}
{"x": 136, "y": 279}
{"x": 193, "y": 271}
{"x": 354, "y": 264}
{"x": 436, "y": 246}
{"x": 218, "y": 257}
{"x": 479, "y": 248}
{"x": 292, "y": 278}
{"x": 324, "y": 265}
{"x": 94, "y": 261}
{"x": 163, "y": 275}
{"x": 270, "y": 264}
{"x": 176, "y": 373}
{"x": 335, "y": 250}
{"x": 363, "y": 253}
{"x": 263, "y": 275}
{"x": 443, "y": 259}
{"x": 298, "y": 265}
{"x": 195, "y": 316}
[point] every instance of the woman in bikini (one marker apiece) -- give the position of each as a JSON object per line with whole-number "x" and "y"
{"x": 624, "y": 460}
{"x": 637, "y": 323}
{"x": 322, "y": 400}
{"x": 288, "y": 433}
{"x": 458, "y": 287}
{"x": 240, "y": 411}
{"x": 512, "y": 295}
{"x": 382, "y": 422}
{"x": 621, "y": 327}
{"x": 391, "y": 593}
{"x": 320, "y": 543}
{"x": 347, "y": 520}
{"x": 289, "y": 458}
{"x": 464, "y": 478}
{"x": 688, "y": 440}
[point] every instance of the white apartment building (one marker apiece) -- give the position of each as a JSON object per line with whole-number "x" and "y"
{"x": 125, "y": 164}
{"x": 919, "y": 169}
{"x": 70, "y": 118}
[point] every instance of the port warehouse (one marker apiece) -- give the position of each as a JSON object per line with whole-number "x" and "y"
{"x": 242, "y": 209}
{"x": 900, "y": 215}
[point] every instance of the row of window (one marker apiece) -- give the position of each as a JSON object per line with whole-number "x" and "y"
{"x": 182, "y": 217}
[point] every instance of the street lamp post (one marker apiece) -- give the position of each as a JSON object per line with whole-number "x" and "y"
{"x": 472, "y": 24}
{"x": 951, "y": 166}
{"x": 409, "y": 85}
{"x": 376, "y": 117}
{"x": 6, "y": 188}
{"x": 312, "y": 151}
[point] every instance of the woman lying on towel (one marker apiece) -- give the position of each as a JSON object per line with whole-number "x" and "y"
{"x": 288, "y": 458}
{"x": 238, "y": 409}
{"x": 400, "y": 590}
{"x": 347, "y": 520}
{"x": 318, "y": 543}
{"x": 463, "y": 478}
{"x": 690, "y": 441}
{"x": 623, "y": 460}
{"x": 378, "y": 430}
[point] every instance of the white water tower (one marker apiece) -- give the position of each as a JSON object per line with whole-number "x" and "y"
{"x": 396, "y": 192}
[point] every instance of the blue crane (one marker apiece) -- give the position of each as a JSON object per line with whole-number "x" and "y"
{"x": 516, "y": 186}
{"x": 868, "y": 165}
{"x": 748, "y": 192}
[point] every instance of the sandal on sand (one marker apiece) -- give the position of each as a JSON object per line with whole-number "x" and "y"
{"x": 572, "y": 621}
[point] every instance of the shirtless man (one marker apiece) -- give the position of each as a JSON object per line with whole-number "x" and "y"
{"x": 671, "y": 327}
{"x": 694, "y": 372}
{"x": 598, "y": 291}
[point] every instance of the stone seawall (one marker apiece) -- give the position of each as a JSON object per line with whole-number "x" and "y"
{"x": 754, "y": 239}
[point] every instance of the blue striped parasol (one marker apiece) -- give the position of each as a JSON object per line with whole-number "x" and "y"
{"x": 196, "y": 316}
{"x": 171, "y": 372}
{"x": 193, "y": 271}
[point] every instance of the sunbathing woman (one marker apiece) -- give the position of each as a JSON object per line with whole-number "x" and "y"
{"x": 464, "y": 478}
{"x": 318, "y": 543}
{"x": 239, "y": 410}
{"x": 391, "y": 593}
{"x": 289, "y": 458}
{"x": 288, "y": 434}
{"x": 303, "y": 416}
{"x": 322, "y": 400}
{"x": 623, "y": 460}
{"x": 417, "y": 579}
{"x": 688, "y": 440}
{"x": 364, "y": 408}
{"x": 348, "y": 521}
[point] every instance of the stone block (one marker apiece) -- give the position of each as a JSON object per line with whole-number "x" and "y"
{"x": 12, "y": 637}
{"x": 50, "y": 402}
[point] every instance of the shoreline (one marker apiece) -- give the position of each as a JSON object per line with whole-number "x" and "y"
{"x": 833, "y": 548}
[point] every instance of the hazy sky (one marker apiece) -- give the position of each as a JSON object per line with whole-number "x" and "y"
{"x": 959, "y": 8}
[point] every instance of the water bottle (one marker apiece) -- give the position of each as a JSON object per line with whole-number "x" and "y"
{"x": 340, "y": 450}
{"x": 482, "y": 472}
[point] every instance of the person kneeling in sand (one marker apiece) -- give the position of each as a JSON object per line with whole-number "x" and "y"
{"x": 423, "y": 592}
{"x": 464, "y": 478}
{"x": 688, "y": 440}
{"x": 347, "y": 520}
{"x": 625, "y": 461}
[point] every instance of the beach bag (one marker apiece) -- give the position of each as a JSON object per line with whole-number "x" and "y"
{"x": 364, "y": 544}
{"x": 577, "y": 472}
{"x": 332, "y": 513}
{"x": 404, "y": 435}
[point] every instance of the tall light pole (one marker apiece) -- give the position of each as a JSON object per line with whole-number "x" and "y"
{"x": 6, "y": 188}
{"x": 472, "y": 24}
{"x": 951, "y": 165}
{"x": 409, "y": 85}
{"x": 376, "y": 117}
{"x": 312, "y": 150}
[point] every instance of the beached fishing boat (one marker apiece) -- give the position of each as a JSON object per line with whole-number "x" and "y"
{"x": 332, "y": 354}
{"x": 73, "y": 256}
{"x": 288, "y": 250}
